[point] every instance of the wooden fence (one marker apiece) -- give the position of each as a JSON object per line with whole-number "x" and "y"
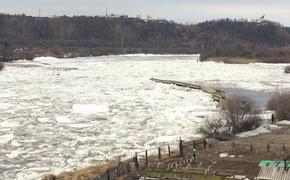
{"x": 141, "y": 159}
{"x": 259, "y": 147}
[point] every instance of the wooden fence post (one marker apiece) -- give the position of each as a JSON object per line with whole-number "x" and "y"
{"x": 204, "y": 143}
{"x": 272, "y": 118}
{"x": 108, "y": 174}
{"x": 284, "y": 147}
{"x": 251, "y": 147}
{"x": 146, "y": 157}
{"x": 169, "y": 153}
{"x": 180, "y": 148}
{"x": 194, "y": 144}
{"x": 268, "y": 147}
{"x": 233, "y": 145}
{"x": 159, "y": 153}
{"x": 135, "y": 159}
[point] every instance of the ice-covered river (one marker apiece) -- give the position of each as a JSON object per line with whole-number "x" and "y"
{"x": 58, "y": 114}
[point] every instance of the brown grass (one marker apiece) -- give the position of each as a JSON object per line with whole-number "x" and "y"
{"x": 84, "y": 173}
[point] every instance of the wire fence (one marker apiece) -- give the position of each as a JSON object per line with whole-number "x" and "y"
{"x": 261, "y": 148}
{"x": 143, "y": 158}
{"x": 254, "y": 148}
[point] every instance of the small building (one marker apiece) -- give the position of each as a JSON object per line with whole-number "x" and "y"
{"x": 274, "y": 170}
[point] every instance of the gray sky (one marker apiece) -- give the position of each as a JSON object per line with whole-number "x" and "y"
{"x": 177, "y": 10}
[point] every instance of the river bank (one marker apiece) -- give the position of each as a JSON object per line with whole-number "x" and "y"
{"x": 234, "y": 156}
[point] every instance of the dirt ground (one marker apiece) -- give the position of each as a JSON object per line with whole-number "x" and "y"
{"x": 245, "y": 153}
{"x": 239, "y": 156}
{"x": 242, "y": 156}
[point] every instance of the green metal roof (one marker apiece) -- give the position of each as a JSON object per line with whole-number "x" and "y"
{"x": 268, "y": 163}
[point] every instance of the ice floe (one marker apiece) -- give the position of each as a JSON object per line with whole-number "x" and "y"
{"x": 62, "y": 119}
{"x": 4, "y": 139}
{"x": 89, "y": 108}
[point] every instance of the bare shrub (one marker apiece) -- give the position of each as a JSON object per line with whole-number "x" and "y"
{"x": 238, "y": 109}
{"x": 280, "y": 103}
{"x": 239, "y": 114}
{"x": 287, "y": 69}
{"x": 251, "y": 123}
{"x": 212, "y": 127}
{"x": 1, "y": 66}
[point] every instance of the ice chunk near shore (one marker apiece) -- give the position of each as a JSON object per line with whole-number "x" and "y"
{"x": 24, "y": 175}
{"x": 62, "y": 119}
{"x": 4, "y": 139}
{"x": 89, "y": 108}
{"x": 45, "y": 59}
{"x": 166, "y": 139}
{"x": 6, "y": 105}
{"x": 44, "y": 120}
{"x": 9, "y": 124}
{"x": 13, "y": 154}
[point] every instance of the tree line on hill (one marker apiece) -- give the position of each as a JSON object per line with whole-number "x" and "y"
{"x": 25, "y": 37}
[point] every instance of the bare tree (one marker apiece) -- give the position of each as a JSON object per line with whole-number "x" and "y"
{"x": 280, "y": 103}
{"x": 212, "y": 127}
{"x": 235, "y": 110}
{"x": 238, "y": 114}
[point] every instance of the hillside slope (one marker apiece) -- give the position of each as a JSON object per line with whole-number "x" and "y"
{"x": 25, "y": 37}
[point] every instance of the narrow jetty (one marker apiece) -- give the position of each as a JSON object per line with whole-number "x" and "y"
{"x": 217, "y": 95}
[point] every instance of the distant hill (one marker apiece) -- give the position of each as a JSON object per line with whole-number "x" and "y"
{"x": 25, "y": 37}
{"x": 264, "y": 40}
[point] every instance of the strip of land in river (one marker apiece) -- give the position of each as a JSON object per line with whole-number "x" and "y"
{"x": 217, "y": 95}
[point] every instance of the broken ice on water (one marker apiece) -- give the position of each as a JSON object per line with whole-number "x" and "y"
{"x": 57, "y": 114}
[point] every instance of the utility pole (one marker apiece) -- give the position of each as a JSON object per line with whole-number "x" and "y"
{"x": 106, "y": 12}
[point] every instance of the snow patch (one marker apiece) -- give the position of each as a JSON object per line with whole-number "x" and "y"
{"x": 261, "y": 130}
{"x": 284, "y": 122}
{"x": 222, "y": 155}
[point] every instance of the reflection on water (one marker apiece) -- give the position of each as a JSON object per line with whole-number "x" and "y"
{"x": 260, "y": 98}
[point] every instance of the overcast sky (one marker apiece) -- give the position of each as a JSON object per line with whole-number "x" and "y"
{"x": 177, "y": 10}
